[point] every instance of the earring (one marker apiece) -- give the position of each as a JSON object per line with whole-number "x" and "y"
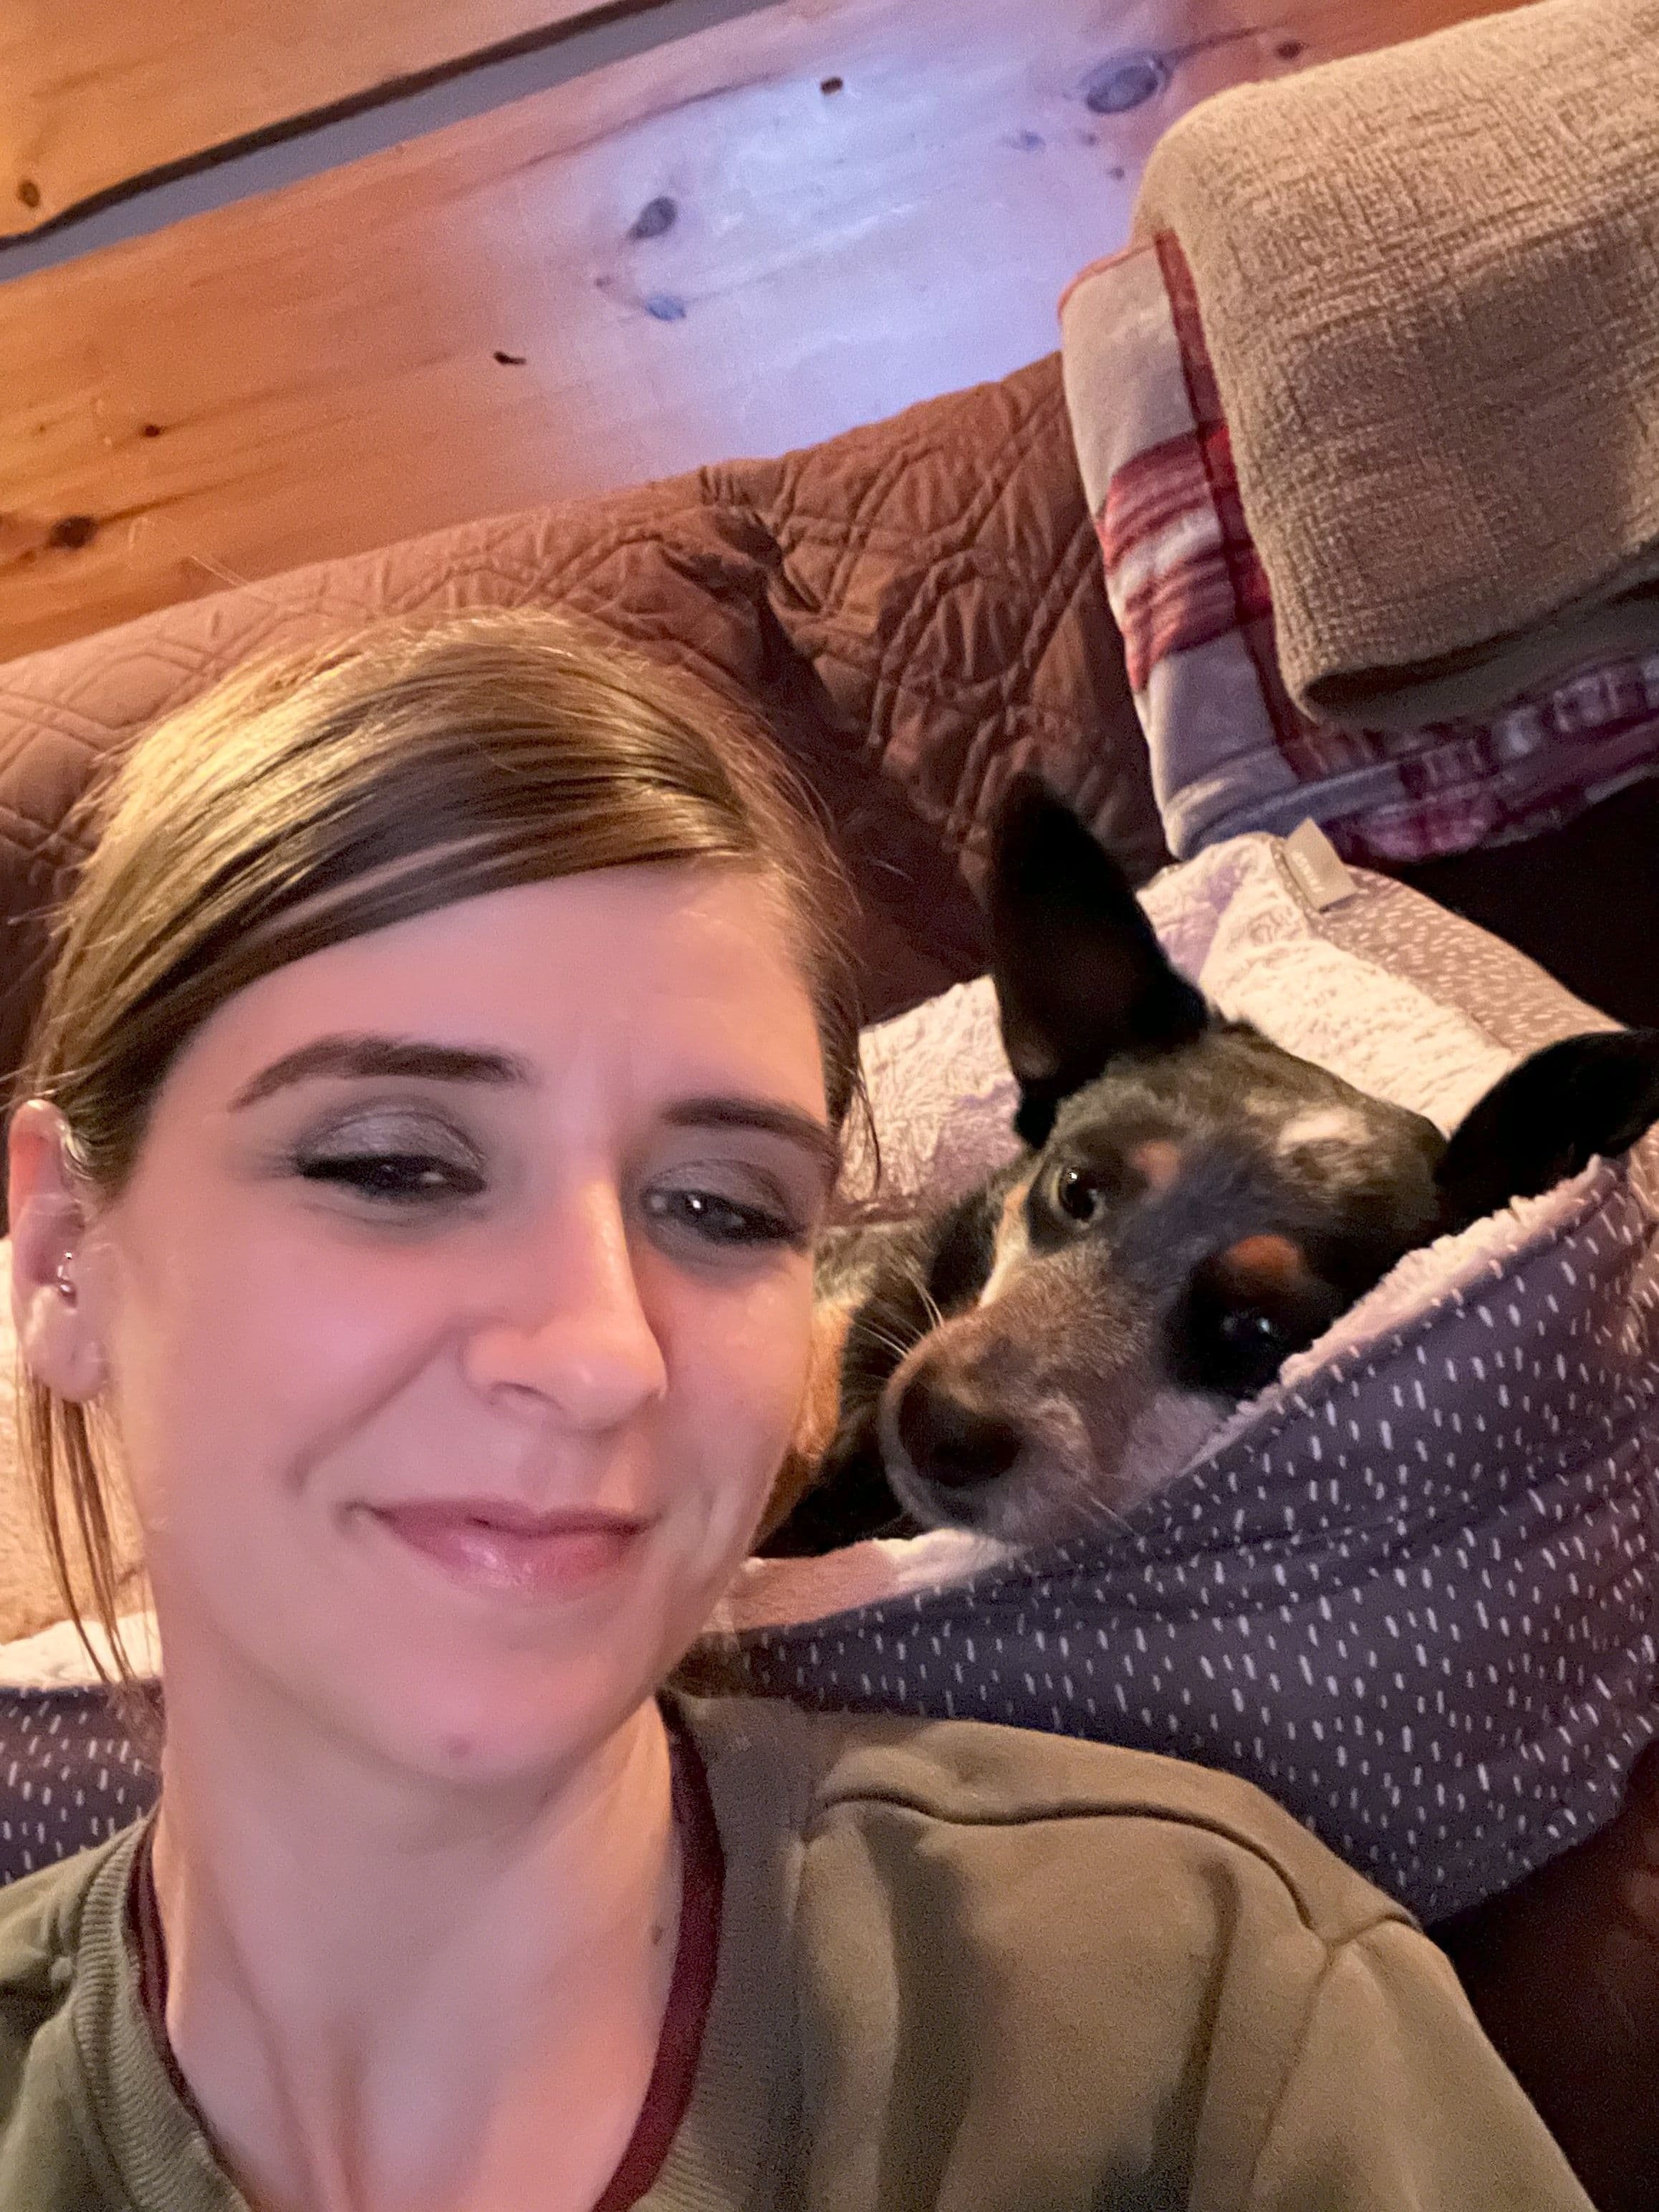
{"x": 66, "y": 1282}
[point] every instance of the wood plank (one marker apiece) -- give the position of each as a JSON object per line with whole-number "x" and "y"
{"x": 96, "y": 96}
{"x": 748, "y": 240}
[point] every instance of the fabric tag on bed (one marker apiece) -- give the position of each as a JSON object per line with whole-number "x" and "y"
{"x": 1317, "y": 867}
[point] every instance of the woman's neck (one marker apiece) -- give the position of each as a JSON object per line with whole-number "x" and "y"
{"x": 387, "y": 1998}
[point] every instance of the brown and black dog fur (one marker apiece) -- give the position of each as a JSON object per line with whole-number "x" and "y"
{"x": 1193, "y": 1206}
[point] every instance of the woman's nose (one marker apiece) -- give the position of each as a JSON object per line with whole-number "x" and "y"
{"x": 569, "y": 1337}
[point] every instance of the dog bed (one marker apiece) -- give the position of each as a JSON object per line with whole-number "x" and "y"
{"x": 1409, "y": 1588}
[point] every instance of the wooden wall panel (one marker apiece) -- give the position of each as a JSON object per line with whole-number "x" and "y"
{"x": 96, "y": 94}
{"x": 748, "y": 240}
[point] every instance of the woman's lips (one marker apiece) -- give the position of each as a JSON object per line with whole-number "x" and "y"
{"x": 493, "y": 1545}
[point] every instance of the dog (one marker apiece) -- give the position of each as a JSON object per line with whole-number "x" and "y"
{"x": 1193, "y": 1205}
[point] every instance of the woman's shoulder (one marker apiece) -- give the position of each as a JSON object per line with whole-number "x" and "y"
{"x": 983, "y": 1792}
{"x": 1056, "y": 1968}
{"x": 41, "y": 1916}
{"x": 79, "y": 2075}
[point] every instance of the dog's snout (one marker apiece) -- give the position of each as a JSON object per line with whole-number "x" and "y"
{"x": 952, "y": 1443}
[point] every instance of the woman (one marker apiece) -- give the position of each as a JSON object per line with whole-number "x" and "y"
{"x": 435, "y": 1099}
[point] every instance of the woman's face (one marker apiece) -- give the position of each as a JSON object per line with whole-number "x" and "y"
{"x": 456, "y": 1314}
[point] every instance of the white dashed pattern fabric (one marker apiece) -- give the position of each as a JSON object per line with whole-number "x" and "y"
{"x": 69, "y": 1776}
{"x": 1410, "y": 1590}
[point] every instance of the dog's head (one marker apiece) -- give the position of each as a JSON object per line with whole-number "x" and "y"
{"x": 1195, "y": 1205}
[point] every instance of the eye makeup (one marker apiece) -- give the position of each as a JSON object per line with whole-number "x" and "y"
{"x": 390, "y": 1155}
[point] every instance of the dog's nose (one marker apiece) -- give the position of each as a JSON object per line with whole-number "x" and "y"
{"x": 952, "y": 1443}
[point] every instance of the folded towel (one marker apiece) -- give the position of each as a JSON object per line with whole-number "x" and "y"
{"x": 1230, "y": 752}
{"x": 1430, "y": 282}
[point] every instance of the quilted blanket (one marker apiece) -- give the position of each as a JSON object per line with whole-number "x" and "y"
{"x": 914, "y": 609}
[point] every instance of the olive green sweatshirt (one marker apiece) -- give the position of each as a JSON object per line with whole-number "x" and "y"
{"x": 962, "y": 1968}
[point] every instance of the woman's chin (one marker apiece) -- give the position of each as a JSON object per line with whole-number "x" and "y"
{"x": 374, "y": 1648}
{"x": 494, "y": 1727}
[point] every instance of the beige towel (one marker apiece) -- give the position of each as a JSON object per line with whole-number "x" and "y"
{"x": 1430, "y": 282}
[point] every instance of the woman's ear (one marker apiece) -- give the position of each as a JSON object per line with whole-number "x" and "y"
{"x": 49, "y": 1224}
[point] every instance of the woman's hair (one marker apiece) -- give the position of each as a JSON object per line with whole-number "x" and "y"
{"x": 310, "y": 798}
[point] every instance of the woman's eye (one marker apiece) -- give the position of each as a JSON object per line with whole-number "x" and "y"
{"x": 1077, "y": 1194}
{"x": 715, "y": 1219}
{"x": 398, "y": 1177}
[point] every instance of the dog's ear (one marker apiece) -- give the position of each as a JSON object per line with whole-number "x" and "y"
{"x": 1548, "y": 1118}
{"x": 1080, "y": 974}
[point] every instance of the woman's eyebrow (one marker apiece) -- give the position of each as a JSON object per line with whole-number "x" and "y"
{"x": 777, "y": 1120}
{"x": 381, "y": 1056}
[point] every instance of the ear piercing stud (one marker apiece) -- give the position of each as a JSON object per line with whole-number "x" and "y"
{"x": 66, "y": 1282}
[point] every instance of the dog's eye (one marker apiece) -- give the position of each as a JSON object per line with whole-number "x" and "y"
{"x": 1247, "y": 1329}
{"x": 1077, "y": 1194}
